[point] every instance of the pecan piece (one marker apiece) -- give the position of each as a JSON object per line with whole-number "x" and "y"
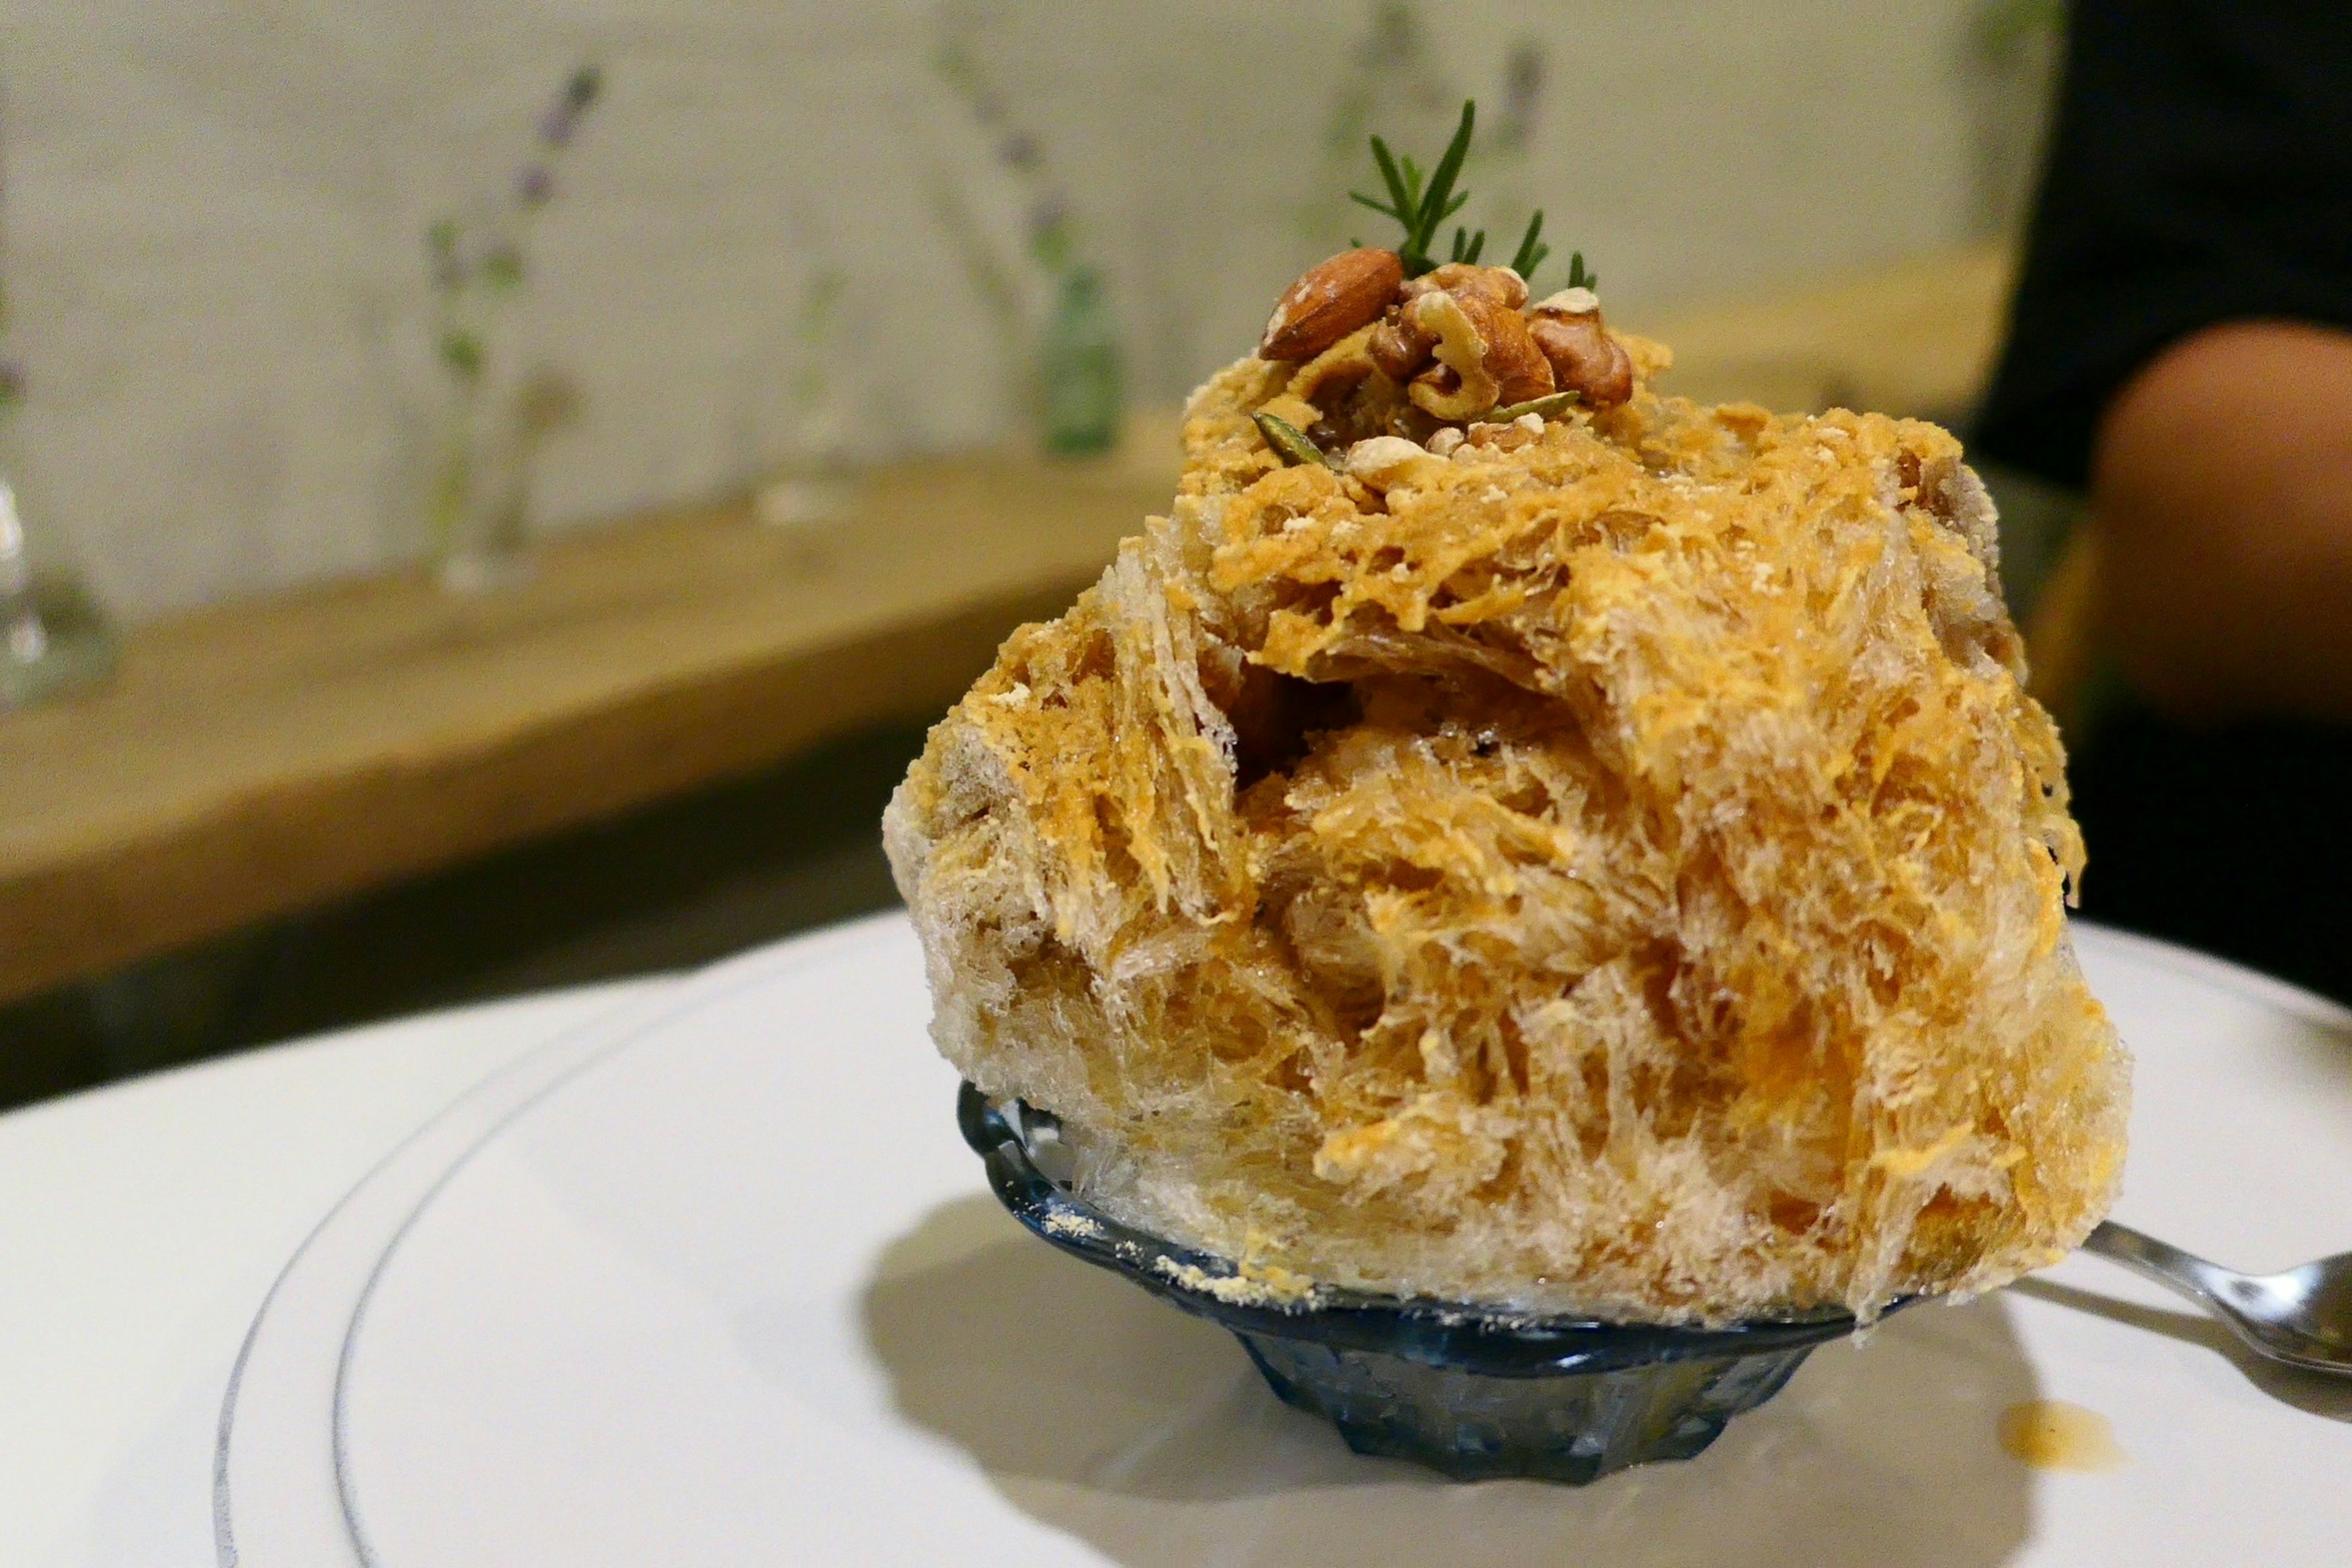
{"x": 1398, "y": 346}
{"x": 1584, "y": 358}
{"x": 1329, "y": 302}
{"x": 1467, "y": 279}
{"x": 1521, "y": 370}
{"x": 1459, "y": 387}
{"x": 1486, "y": 355}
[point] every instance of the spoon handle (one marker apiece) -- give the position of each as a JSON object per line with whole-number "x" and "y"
{"x": 2165, "y": 1264}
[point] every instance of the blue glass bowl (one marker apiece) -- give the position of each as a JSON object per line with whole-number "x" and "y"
{"x": 1460, "y": 1388}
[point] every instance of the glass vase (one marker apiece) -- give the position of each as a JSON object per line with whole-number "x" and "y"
{"x": 54, "y": 642}
{"x": 1078, "y": 370}
{"x": 492, "y": 419}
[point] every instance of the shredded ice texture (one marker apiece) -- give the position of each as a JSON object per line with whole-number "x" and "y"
{"x": 1612, "y": 869}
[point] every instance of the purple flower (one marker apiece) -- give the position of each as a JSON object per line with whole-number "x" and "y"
{"x": 534, "y": 186}
{"x": 556, "y": 126}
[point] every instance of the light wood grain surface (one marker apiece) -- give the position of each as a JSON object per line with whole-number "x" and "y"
{"x": 260, "y": 758}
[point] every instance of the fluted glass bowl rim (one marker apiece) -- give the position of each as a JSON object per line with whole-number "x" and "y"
{"x": 1470, "y": 1337}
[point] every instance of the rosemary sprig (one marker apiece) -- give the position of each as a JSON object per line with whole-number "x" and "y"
{"x": 1531, "y": 250}
{"x": 1423, "y": 207}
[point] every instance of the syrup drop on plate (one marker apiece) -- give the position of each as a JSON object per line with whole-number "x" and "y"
{"x": 2052, "y": 1435}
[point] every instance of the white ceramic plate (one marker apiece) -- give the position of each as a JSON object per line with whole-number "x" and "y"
{"x": 733, "y": 1292}
{"x": 275, "y": 1497}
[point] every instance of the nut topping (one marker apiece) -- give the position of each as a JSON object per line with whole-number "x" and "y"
{"x": 1402, "y": 346}
{"x": 1577, "y": 302}
{"x": 1517, "y": 363}
{"x": 1584, "y": 358}
{"x": 1486, "y": 355}
{"x": 1459, "y": 387}
{"x": 1329, "y": 302}
{"x": 1465, "y": 281}
{"x": 1384, "y": 461}
{"x": 1398, "y": 346}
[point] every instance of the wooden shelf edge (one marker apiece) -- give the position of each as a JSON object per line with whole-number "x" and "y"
{"x": 275, "y": 854}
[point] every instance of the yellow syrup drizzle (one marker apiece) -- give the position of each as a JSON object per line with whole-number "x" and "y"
{"x": 2052, "y": 1435}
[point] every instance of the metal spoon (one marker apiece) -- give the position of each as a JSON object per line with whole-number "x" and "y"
{"x": 2303, "y": 1317}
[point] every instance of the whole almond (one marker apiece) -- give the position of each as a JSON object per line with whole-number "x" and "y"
{"x": 1330, "y": 301}
{"x": 1584, "y": 358}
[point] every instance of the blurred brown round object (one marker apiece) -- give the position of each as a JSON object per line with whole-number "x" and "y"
{"x": 1330, "y": 301}
{"x": 1584, "y": 358}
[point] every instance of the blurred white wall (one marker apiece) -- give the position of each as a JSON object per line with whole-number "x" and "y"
{"x": 215, "y": 215}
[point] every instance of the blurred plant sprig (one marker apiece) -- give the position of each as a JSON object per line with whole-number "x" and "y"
{"x": 464, "y": 264}
{"x": 11, "y": 372}
{"x": 1049, "y": 229}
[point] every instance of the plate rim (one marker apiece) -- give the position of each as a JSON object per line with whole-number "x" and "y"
{"x": 591, "y": 1042}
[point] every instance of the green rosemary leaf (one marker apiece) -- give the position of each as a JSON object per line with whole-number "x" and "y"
{"x": 1423, "y": 202}
{"x": 1289, "y": 442}
{"x": 1531, "y": 251}
{"x": 1440, "y": 190}
{"x": 1400, "y": 197}
{"x": 1546, "y": 406}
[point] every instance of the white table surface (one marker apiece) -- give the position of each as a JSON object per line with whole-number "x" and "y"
{"x": 141, "y": 1224}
